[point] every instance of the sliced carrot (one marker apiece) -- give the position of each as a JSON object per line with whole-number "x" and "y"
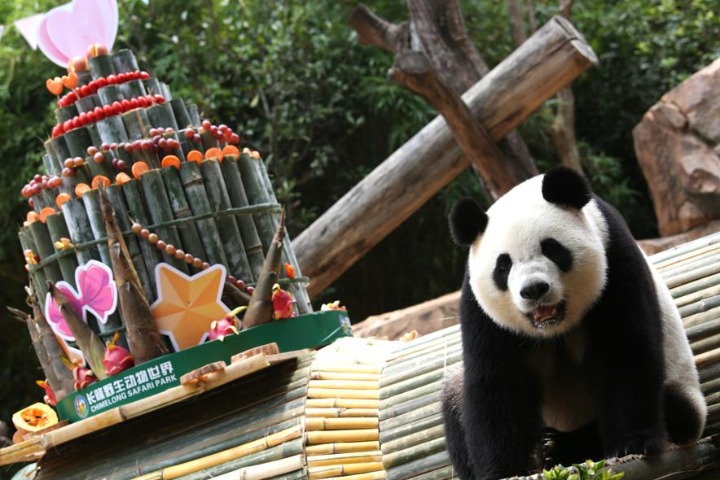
{"x": 139, "y": 168}
{"x": 81, "y": 188}
{"x": 122, "y": 178}
{"x": 214, "y": 153}
{"x": 46, "y": 212}
{"x": 61, "y": 199}
{"x": 101, "y": 181}
{"x": 170, "y": 161}
{"x": 231, "y": 150}
{"x": 194, "y": 156}
{"x": 32, "y": 216}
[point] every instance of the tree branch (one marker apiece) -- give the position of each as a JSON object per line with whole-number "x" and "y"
{"x": 376, "y": 31}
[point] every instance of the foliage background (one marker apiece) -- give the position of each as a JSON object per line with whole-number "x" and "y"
{"x": 293, "y": 81}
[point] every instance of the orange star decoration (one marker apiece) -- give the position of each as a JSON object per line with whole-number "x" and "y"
{"x": 186, "y": 306}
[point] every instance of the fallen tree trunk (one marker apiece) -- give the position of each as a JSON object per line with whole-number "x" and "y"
{"x": 554, "y": 56}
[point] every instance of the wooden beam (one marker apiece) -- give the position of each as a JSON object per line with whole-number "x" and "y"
{"x": 554, "y": 56}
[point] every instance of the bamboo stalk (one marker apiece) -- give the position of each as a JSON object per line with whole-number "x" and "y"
{"x": 313, "y": 424}
{"x": 94, "y": 215}
{"x": 344, "y": 384}
{"x": 138, "y": 212}
{"x": 421, "y": 464}
{"x": 343, "y": 393}
{"x": 443, "y": 473}
{"x": 413, "y": 439}
{"x": 124, "y": 61}
{"x": 393, "y": 427}
{"x": 179, "y": 204}
{"x": 160, "y": 212}
{"x": 341, "y": 447}
{"x": 101, "y": 66}
{"x": 695, "y": 286}
{"x": 344, "y": 458}
{"x": 256, "y": 194}
{"x": 161, "y": 115}
{"x": 684, "y": 248}
{"x": 341, "y": 412}
{"x": 117, "y": 200}
{"x": 299, "y": 292}
{"x": 80, "y": 230}
{"x": 342, "y": 436}
{"x": 246, "y": 225}
{"x": 426, "y": 390}
{"x": 265, "y": 459}
{"x": 412, "y": 384}
{"x": 193, "y": 184}
{"x": 703, "y": 330}
{"x": 703, "y": 305}
{"x": 691, "y": 276}
{"x": 344, "y": 366}
{"x": 370, "y": 377}
{"x": 230, "y": 235}
{"x": 415, "y": 370}
{"x": 408, "y": 406}
{"x": 268, "y": 470}
{"x": 707, "y": 358}
{"x": 57, "y": 229}
{"x": 44, "y": 248}
{"x": 330, "y": 402}
{"x": 187, "y": 468}
{"x": 112, "y": 130}
{"x": 710, "y": 386}
{"x": 701, "y": 318}
{"x": 689, "y": 264}
{"x": 89, "y": 343}
{"x": 706, "y": 344}
{"x": 377, "y": 475}
{"x": 342, "y": 470}
{"x": 143, "y": 337}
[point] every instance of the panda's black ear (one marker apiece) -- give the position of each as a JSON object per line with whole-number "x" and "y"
{"x": 565, "y": 187}
{"x": 467, "y": 221}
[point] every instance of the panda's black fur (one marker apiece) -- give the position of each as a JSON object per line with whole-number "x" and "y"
{"x": 491, "y": 406}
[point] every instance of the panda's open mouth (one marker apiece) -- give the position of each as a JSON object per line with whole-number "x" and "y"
{"x": 544, "y": 316}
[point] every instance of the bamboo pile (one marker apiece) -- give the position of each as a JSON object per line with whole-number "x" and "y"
{"x": 360, "y": 409}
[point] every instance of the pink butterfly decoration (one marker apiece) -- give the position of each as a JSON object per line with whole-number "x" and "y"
{"x": 97, "y": 294}
{"x": 68, "y": 30}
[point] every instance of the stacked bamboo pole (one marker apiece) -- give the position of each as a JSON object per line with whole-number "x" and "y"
{"x": 342, "y": 410}
{"x": 358, "y": 409}
{"x": 250, "y": 424}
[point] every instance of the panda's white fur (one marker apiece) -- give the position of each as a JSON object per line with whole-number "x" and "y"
{"x": 517, "y": 222}
{"x": 542, "y": 339}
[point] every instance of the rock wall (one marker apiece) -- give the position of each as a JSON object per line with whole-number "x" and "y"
{"x": 677, "y": 144}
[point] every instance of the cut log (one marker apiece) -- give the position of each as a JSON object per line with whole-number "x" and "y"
{"x": 547, "y": 62}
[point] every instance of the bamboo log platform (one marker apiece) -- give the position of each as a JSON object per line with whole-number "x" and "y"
{"x": 357, "y": 409}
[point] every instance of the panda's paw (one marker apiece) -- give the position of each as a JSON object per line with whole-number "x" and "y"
{"x": 641, "y": 445}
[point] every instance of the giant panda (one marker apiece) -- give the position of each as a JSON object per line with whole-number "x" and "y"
{"x": 566, "y": 328}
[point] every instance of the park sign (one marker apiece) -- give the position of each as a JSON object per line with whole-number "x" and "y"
{"x": 155, "y": 376}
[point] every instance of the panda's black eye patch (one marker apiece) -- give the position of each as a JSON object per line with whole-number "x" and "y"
{"x": 557, "y": 253}
{"x": 503, "y": 264}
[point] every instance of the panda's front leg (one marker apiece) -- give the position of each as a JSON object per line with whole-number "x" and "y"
{"x": 502, "y": 428}
{"x": 627, "y": 376}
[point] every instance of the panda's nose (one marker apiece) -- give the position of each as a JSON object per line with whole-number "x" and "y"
{"x": 534, "y": 291}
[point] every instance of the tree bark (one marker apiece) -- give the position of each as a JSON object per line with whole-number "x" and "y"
{"x": 554, "y": 56}
{"x": 436, "y": 28}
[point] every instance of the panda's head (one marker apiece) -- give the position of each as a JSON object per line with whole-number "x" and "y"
{"x": 537, "y": 257}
